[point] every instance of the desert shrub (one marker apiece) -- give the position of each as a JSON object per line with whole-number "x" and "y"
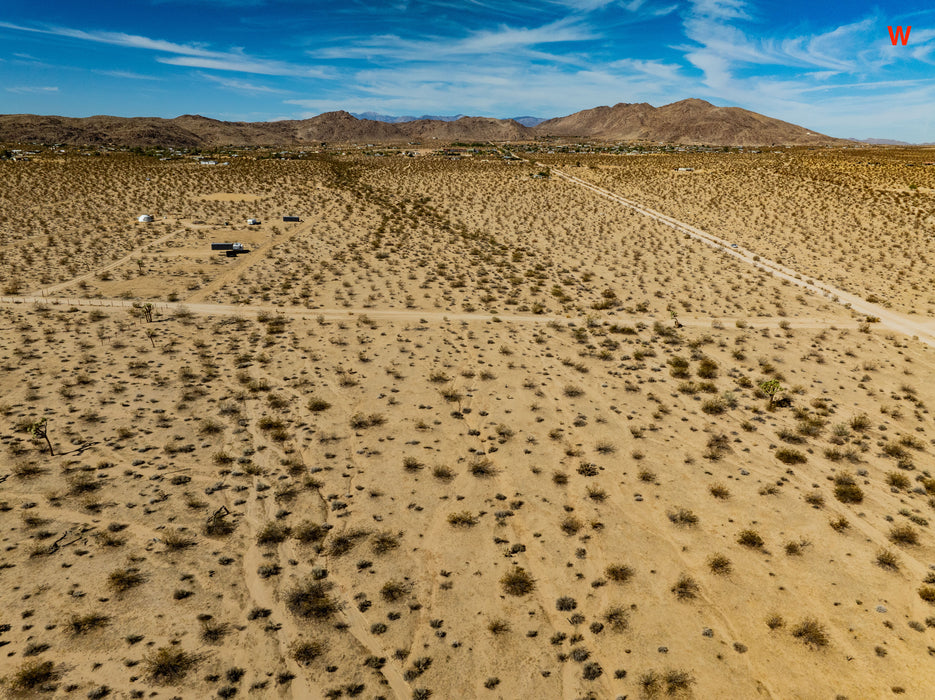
{"x": 617, "y": 618}
{"x": 774, "y": 621}
{"x": 517, "y": 582}
{"x": 898, "y": 480}
{"x": 570, "y": 525}
{"x": 707, "y": 368}
{"x": 685, "y": 588}
{"x": 812, "y": 633}
{"x": 312, "y": 600}
{"x": 306, "y": 651}
{"x": 213, "y": 632}
{"x": 272, "y": 533}
{"x": 860, "y": 422}
{"x": 714, "y": 407}
{"x": 719, "y": 491}
{"x": 565, "y": 604}
{"x": 787, "y": 455}
{"x": 683, "y": 517}
{"x": 619, "y": 573}
{"x": 814, "y": 499}
{"x": 482, "y": 467}
{"x": 123, "y": 580}
{"x": 411, "y": 464}
{"x": 359, "y": 421}
{"x": 904, "y": 534}
{"x": 719, "y": 564}
{"x": 846, "y": 489}
{"x": 839, "y": 524}
{"x": 316, "y": 405}
{"x": 592, "y": 671}
{"x": 391, "y": 591}
{"x": 309, "y": 531}
{"x": 886, "y": 559}
{"x": 443, "y": 473}
{"x": 462, "y": 519}
{"x": 217, "y": 526}
{"x": 82, "y": 624}
{"x": 498, "y": 626}
{"x": 32, "y": 676}
{"x": 168, "y": 665}
{"x": 384, "y": 542}
{"x": 175, "y": 540}
{"x": 750, "y": 538}
{"x": 927, "y": 593}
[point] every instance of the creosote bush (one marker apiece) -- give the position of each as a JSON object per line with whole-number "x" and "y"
{"x": 517, "y": 582}
{"x": 750, "y": 538}
{"x": 812, "y": 633}
{"x": 168, "y": 665}
{"x": 312, "y": 600}
{"x": 619, "y": 573}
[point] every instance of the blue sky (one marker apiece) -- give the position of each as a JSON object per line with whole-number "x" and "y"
{"x": 832, "y": 68}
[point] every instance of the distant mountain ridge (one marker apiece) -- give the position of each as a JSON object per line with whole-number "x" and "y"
{"x": 377, "y": 117}
{"x": 690, "y": 121}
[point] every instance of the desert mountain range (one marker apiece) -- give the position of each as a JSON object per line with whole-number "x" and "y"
{"x": 690, "y": 121}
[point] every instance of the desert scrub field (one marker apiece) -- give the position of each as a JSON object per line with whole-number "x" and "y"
{"x": 377, "y": 233}
{"x": 352, "y": 506}
{"x": 861, "y": 219}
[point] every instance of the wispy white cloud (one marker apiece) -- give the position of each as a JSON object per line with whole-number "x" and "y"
{"x": 129, "y": 75}
{"x": 504, "y": 39}
{"x": 32, "y": 89}
{"x": 196, "y": 55}
{"x": 240, "y": 85}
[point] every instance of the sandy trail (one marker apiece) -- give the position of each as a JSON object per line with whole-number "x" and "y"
{"x": 135, "y": 253}
{"x": 416, "y": 316}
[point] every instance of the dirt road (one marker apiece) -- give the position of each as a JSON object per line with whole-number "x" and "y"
{"x": 901, "y": 323}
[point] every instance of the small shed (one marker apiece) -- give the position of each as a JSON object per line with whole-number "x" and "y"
{"x": 291, "y": 218}
{"x": 145, "y": 219}
{"x": 253, "y": 222}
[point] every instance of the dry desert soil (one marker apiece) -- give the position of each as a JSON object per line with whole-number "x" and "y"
{"x": 462, "y": 432}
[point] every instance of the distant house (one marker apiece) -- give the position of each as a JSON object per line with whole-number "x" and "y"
{"x": 208, "y": 162}
{"x": 291, "y": 218}
{"x": 253, "y": 222}
{"x": 145, "y": 219}
{"x": 685, "y": 170}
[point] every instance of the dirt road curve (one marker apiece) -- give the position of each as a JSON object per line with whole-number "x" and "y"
{"x": 924, "y": 330}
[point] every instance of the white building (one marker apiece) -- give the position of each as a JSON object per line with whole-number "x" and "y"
{"x": 145, "y": 219}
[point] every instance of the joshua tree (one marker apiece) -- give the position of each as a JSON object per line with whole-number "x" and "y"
{"x": 675, "y": 318}
{"x": 148, "y": 312}
{"x": 771, "y": 388}
{"x": 151, "y": 334}
{"x": 38, "y": 432}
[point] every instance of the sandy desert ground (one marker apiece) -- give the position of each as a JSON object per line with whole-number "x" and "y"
{"x": 459, "y": 433}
